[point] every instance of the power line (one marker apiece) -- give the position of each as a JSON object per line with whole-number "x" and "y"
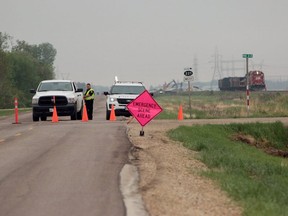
{"x": 231, "y": 66}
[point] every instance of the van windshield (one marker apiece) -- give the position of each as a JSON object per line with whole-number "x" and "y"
{"x": 55, "y": 86}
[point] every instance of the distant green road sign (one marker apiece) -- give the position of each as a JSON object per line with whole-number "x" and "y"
{"x": 247, "y": 55}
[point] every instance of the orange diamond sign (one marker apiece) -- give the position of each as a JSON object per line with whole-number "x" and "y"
{"x": 144, "y": 108}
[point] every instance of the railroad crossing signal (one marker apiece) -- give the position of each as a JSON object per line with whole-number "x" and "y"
{"x": 247, "y": 56}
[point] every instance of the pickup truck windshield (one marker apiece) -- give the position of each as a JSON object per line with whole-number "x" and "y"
{"x": 55, "y": 86}
{"x": 127, "y": 89}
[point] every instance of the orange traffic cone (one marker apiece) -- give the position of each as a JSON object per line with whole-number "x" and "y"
{"x": 112, "y": 114}
{"x": 84, "y": 114}
{"x": 180, "y": 113}
{"x": 54, "y": 116}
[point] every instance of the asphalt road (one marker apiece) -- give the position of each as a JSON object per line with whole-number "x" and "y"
{"x": 72, "y": 167}
{"x": 65, "y": 168}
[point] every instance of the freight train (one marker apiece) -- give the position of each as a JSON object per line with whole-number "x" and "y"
{"x": 256, "y": 82}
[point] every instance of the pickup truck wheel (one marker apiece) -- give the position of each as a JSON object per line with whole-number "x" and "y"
{"x": 43, "y": 118}
{"x": 108, "y": 114}
{"x": 35, "y": 118}
{"x": 79, "y": 114}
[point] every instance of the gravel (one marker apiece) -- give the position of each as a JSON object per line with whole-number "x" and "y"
{"x": 170, "y": 183}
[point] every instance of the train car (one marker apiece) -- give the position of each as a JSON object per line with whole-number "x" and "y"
{"x": 255, "y": 79}
{"x": 232, "y": 84}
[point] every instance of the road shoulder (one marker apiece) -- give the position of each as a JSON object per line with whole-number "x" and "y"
{"x": 170, "y": 183}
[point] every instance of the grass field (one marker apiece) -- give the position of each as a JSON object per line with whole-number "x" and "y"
{"x": 257, "y": 180}
{"x": 211, "y": 105}
{"x": 7, "y": 112}
{"x": 248, "y": 161}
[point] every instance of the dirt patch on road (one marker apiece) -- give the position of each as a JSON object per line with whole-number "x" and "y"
{"x": 170, "y": 183}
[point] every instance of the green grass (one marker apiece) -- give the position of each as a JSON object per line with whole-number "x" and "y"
{"x": 8, "y": 112}
{"x": 257, "y": 181}
{"x": 211, "y": 105}
{"x": 167, "y": 115}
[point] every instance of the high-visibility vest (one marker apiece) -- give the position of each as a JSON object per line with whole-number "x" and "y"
{"x": 88, "y": 96}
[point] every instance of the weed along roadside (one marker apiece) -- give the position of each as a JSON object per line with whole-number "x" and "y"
{"x": 238, "y": 157}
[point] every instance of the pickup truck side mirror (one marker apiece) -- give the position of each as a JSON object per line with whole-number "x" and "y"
{"x": 152, "y": 94}
{"x": 32, "y": 91}
{"x": 79, "y": 90}
{"x": 106, "y": 93}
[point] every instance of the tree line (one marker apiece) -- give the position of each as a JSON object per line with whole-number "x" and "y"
{"x": 22, "y": 67}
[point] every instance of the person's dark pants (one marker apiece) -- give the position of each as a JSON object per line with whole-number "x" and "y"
{"x": 89, "y": 107}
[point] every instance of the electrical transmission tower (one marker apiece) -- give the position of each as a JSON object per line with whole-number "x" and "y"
{"x": 217, "y": 74}
{"x": 231, "y": 66}
{"x": 255, "y": 66}
{"x": 65, "y": 76}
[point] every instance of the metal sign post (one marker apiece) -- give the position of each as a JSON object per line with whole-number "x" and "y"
{"x": 189, "y": 76}
{"x": 190, "y": 107}
{"x": 247, "y": 56}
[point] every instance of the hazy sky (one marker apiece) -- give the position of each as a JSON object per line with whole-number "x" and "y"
{"x": 151, "y": 40}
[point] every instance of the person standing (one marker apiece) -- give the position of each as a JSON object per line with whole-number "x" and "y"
{"x": 89, "y": 100}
